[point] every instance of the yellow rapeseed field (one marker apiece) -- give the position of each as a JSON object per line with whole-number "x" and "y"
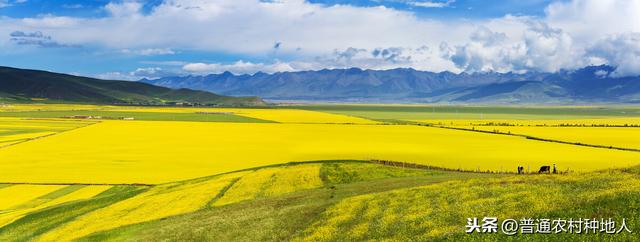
{"x": 158, "y": 202}
{"x": 604, "y": 136}
{"x": 16, "y": 130}
{"x": 514, "y": 121}
{"x": 269, "y": 182}
{"x": 19, "y": 194}
{"x": 278, "y": 115}
{"x": 12, "y": 139}
{"x": 82, "y": 193}
{"x": 425, "y": 213}
{"x": 157, "y": 151}
{"x": 24, "y": 209}
{"x": 23, "y": 124}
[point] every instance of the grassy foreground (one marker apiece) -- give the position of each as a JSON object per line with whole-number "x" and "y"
{"x": 335, "y": 201}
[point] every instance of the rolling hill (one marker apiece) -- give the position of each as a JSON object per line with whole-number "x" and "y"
{"x": 593, "y": 84}
{"x": 20, "y": 85}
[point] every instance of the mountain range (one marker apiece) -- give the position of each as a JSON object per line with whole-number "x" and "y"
{"x": 20, "y": 85}
{"x": 592, "y": 84}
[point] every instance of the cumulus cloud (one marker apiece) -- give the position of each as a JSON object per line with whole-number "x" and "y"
{"x": 314, "y": 36}
{"x": 246, "y": 27}
{"x": 376, "y": 58}
{"x": 239, "y": 67}
{"x": 123, "y": 9}
{"x": 621, "y": 51}
{"x": 137, "y": 74}
{"x": 115, "y": 75}
{"x": 593, "y": 19}
{"x": 539, "y": 47}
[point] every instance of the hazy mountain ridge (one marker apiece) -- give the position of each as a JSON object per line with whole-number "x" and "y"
{"x": 589, "y": 84}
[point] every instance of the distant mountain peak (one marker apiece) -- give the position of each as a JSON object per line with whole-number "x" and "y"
{"x": 584, "y": 85}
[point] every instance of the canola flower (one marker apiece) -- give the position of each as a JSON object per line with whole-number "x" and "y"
{"x": 339, "y": 214}
{"x": 302, "y": 116}
{"x": 270, "y": 182}
{"x": 293, "y": 179}
{"x": 527, "y": 121}
{"x": 158, "y": 202}
{"x": 85, "y": 192}
{"x": 80, "y": 194}
{"x": 15, "y": 195}
{"x": 277, "y": 115}
{"x": 434, "y": 211}
{"x": 603, "y": 136}
{"x": 248, "y": 187}
{"x": 16, "y": 130}
{"x": 11, "y": 125}
{"x": 21, "y": 137}
{"x": 158, "y": 151}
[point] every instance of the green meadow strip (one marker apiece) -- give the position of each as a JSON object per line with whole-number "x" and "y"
{"x": 49, "y": 196}
{"x": 39, "y": 222}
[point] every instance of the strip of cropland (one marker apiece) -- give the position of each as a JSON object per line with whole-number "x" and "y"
{"x": 279, "y": 115}
{"x": 448, "y": 112}
{"x": 147, "y": 116}
{"x": 17, "y": 130}
{"x": 150, "y": 152}
{"x": 334, "y": 200}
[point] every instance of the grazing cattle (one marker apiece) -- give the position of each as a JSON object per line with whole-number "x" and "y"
{"x": 520, "y": 169}
{"x": 545, "y": 169}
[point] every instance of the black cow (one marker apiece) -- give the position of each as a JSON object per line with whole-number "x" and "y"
{"x": 545, "y": 169}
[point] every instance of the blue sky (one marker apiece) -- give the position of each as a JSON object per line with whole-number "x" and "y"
{"x": 455, "y": 9}
{"x": 135, "y": 39}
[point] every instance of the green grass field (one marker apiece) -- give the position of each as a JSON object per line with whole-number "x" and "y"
{"x": 415, "y": 112}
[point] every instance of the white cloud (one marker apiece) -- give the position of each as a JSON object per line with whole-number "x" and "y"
{"x": 315, "y": 36}
{"x": 139, "y": 73}
{"x": 239, "y": 67}
{"x": 114, "y": 76}
{"x": 124, "y": 9}
{"x": 147, "y": 71}
{"x": 622, "y": 51}
{"x": 149, "y": 52}
{"x": 592, "y": 19}
{"x": 247, "y": 27}
{"x": 432, "y": 4}
{"x": 538, "y": 48}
